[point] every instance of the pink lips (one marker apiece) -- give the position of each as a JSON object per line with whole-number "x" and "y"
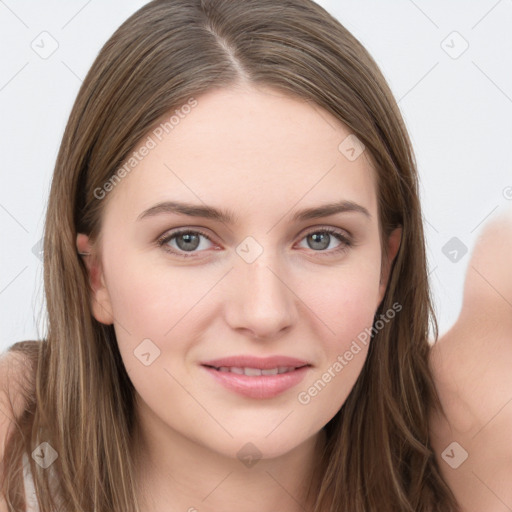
{"x": 258, "y": 386}
{"x": 256, "y": 362}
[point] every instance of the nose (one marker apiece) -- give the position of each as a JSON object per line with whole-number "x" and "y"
{"x": 262, "y": 303}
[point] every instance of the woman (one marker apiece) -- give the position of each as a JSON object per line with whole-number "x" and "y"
{"x": 249, "y": 365}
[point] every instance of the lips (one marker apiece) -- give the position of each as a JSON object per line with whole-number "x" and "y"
{"x": 260, "y": 363}
{"x": 257, "y": 377}
{"x": 255, "y": 372}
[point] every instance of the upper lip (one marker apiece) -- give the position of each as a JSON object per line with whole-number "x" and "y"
{"x": 262, "y": 363}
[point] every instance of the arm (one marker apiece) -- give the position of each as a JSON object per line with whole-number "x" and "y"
{"x": 488, "y": 284}
{"x": 472, "y": 368}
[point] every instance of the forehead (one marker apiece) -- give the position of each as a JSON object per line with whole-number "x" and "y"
{"x": 250, "y": 149}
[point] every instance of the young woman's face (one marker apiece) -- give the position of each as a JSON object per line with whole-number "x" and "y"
{"x": 276, "y": 277}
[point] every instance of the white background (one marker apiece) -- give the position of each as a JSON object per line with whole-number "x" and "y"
{"x": 458, "y": 112}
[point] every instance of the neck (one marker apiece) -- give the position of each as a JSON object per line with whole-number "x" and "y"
{"x": 171, "y": 468}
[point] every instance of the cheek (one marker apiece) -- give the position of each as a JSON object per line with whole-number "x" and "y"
{"x": 150, "y": 301}
{"x": 155, "y": 304}
{"x": 343, "y": 300}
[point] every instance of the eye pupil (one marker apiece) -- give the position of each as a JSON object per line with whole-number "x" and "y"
{"x": 190, "y": 239}
{"x": 319, "y": 238}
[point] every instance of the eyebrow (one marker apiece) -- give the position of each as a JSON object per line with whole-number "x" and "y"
{"x": 229, "y": 217}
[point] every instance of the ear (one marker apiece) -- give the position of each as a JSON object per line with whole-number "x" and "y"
{"x": 392, "y": 246}
{"x": 100, "y": 299}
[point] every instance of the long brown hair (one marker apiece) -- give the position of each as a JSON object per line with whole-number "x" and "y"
{"x": 378, "y": 454}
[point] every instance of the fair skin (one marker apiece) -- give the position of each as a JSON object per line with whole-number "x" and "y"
{"x": 472, "y": 370}
{"x": 470, "y": 363}
{"x": 264, "y": 157}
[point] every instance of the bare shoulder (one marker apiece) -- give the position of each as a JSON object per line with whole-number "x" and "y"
{"x": 16, "y": 379}
{"x": 472, "y": 365}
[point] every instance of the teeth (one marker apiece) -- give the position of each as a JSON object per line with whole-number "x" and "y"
{"x": 255, "y": 372}
{"x": 252, "y": 371}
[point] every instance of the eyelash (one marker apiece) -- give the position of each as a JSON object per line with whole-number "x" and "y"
{"x": 167, "y": 237}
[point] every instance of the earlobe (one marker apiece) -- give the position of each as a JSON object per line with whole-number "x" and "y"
{"x": 100, "y": 299}
{"x": 394, "y": 242}
{"x": 82, "y": 244}
{"x": 393, "y": 245}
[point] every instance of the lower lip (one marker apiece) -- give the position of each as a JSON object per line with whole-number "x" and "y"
{"x": 263, "y": 386}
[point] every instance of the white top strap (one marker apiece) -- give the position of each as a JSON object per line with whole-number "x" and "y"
{"x": 30, "y": 492}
